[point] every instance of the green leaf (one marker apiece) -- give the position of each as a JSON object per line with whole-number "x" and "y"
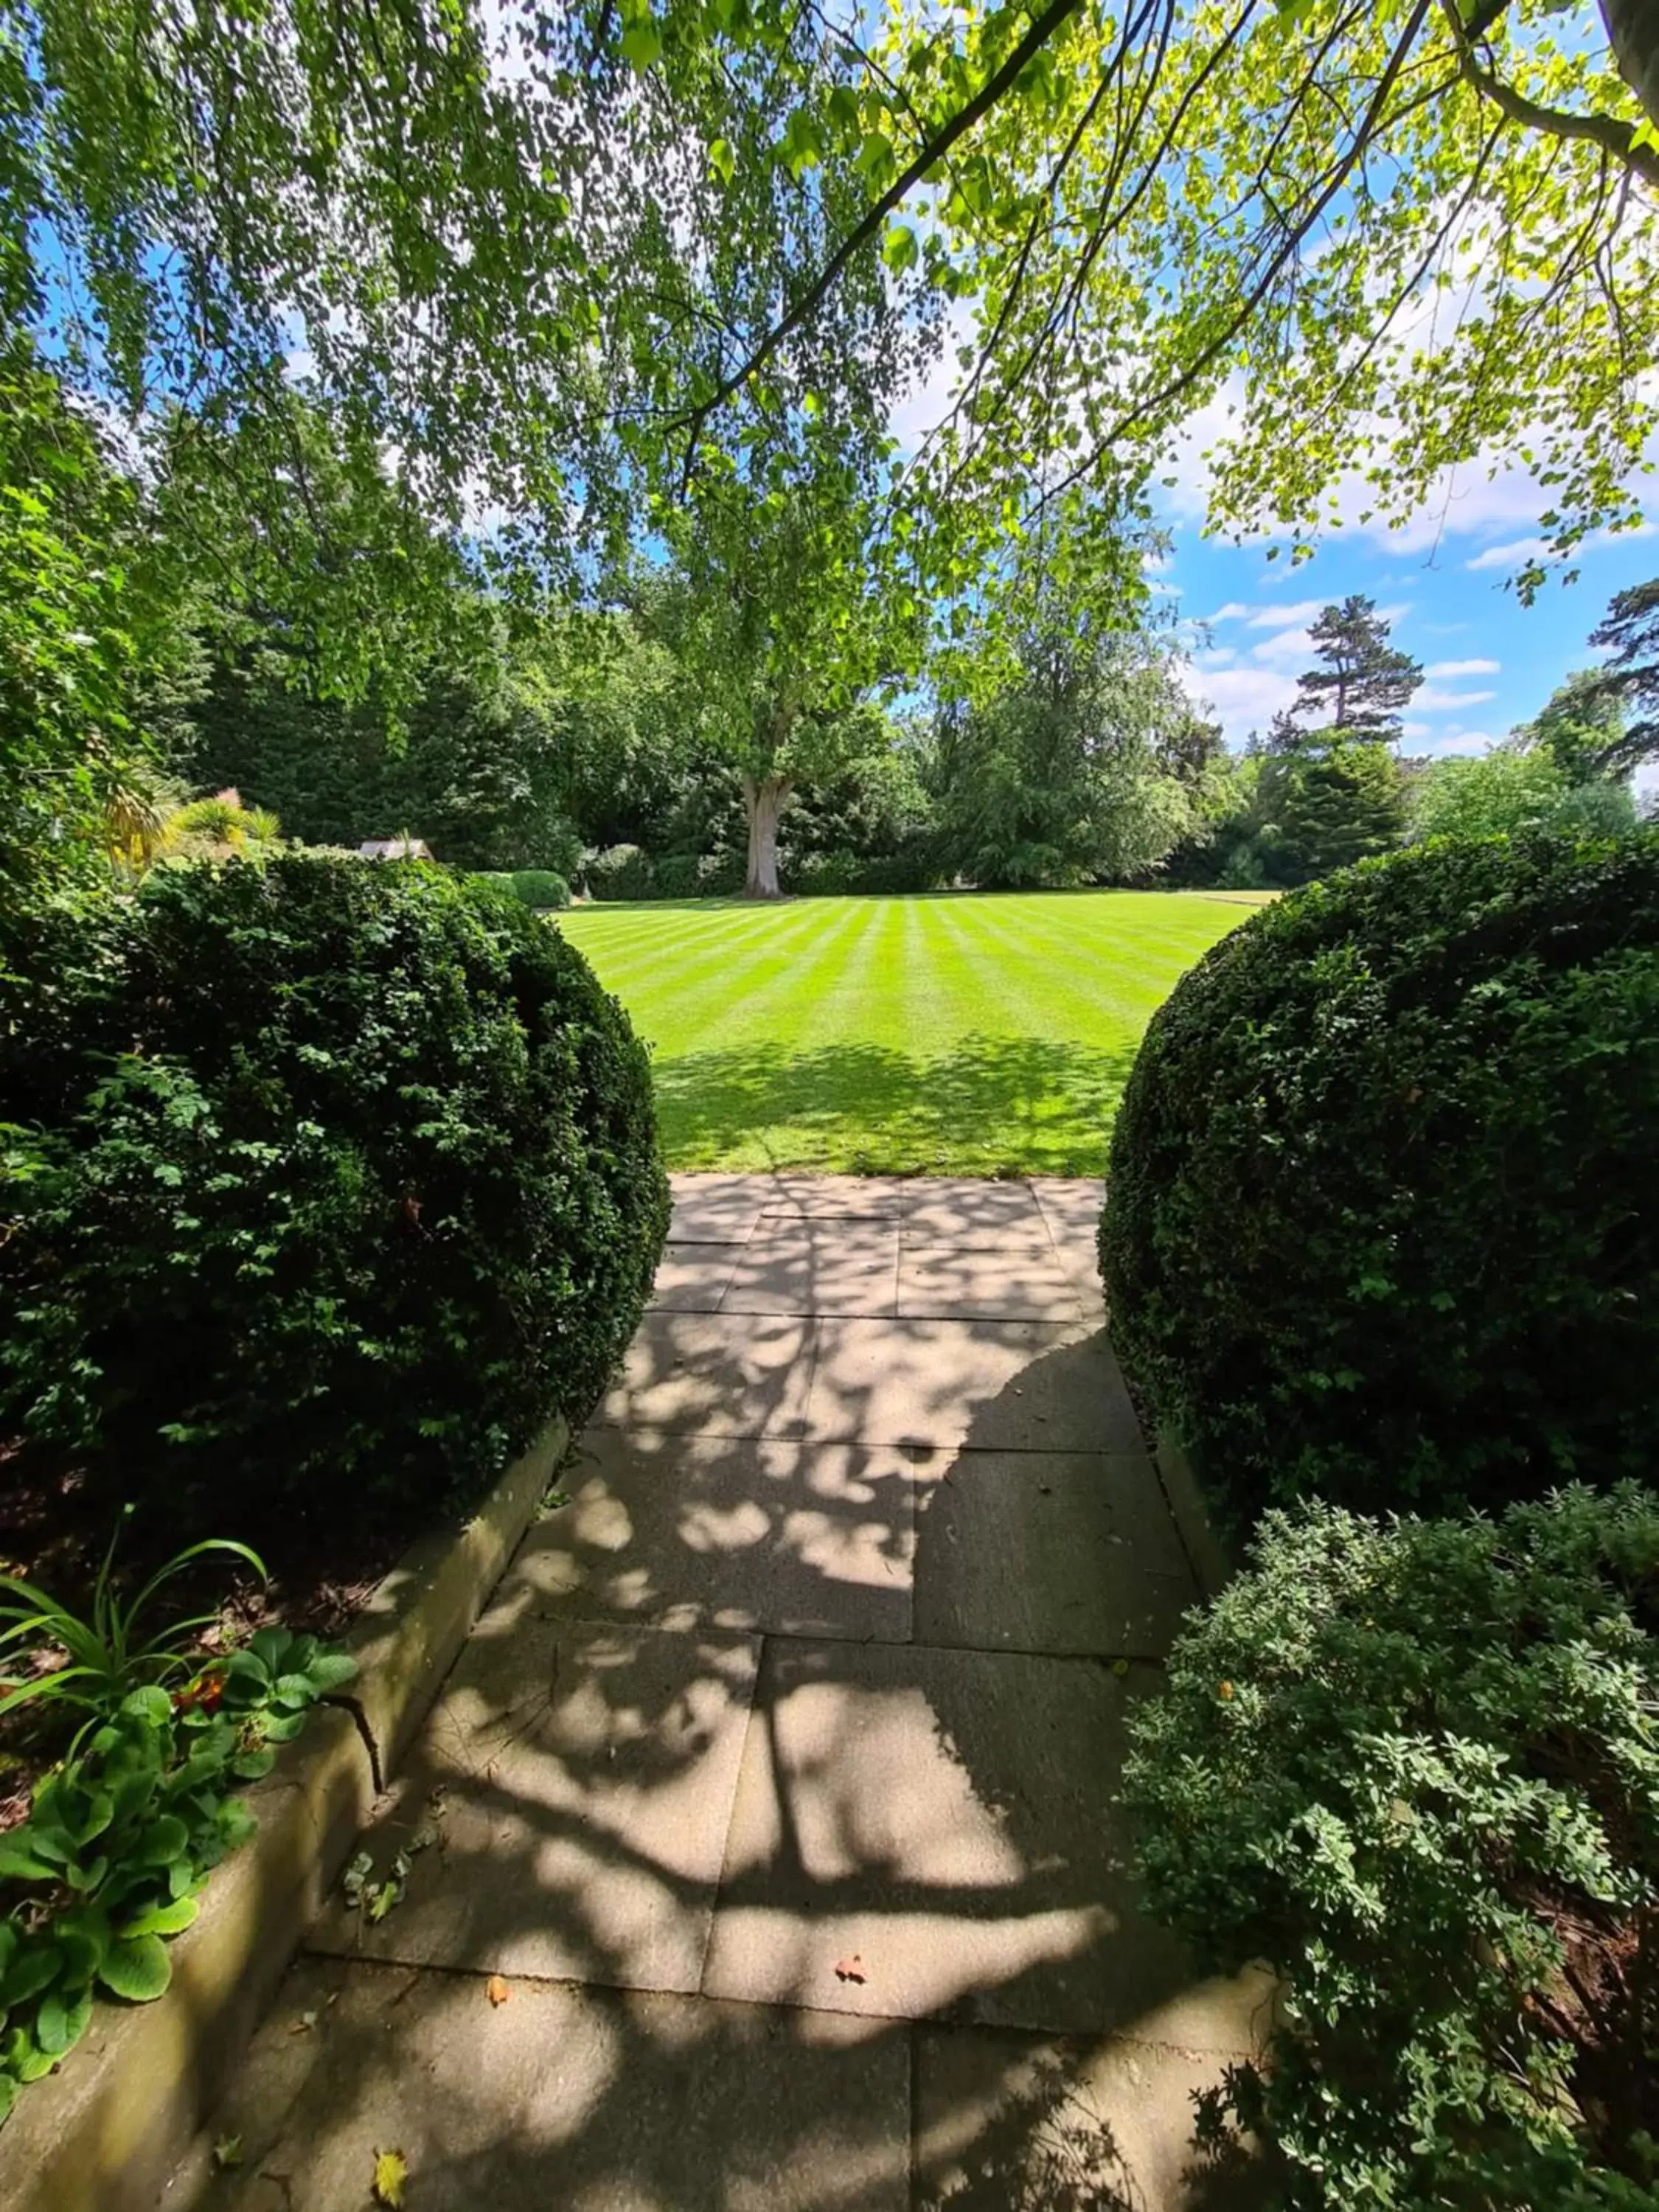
{"x": 19, "y": 1863}
{"x": 166, "y": 1838}
{"x": 296, "y": 1692}
{"x": 722, "y": 161}
{"x": 329, "y": 1670}
{"x": 641, "y": 43}
{"x": 148, "y": 1704}
{"x": 899, "y": 249}
{"x": 138, "y": 1970}
{"x": 163, "y": 1919}
{"x": 32, "y": 1971}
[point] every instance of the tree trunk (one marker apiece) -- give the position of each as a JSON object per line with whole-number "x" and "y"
{"x": 764, "y": 796}
{"x": 1634, "y": 31}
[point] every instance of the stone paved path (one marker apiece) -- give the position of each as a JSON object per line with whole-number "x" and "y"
{"x": 778, "y": 1782}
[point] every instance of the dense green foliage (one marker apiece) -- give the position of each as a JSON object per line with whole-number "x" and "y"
{"x": 122, "y": 1835}
{"x": 1411, "y": 1768}
{"x": 1384, "y": 1195}
{"x": 320, "y": 1177}
{"x": 1511, "y": 789}
{"x": 540, "y": 889}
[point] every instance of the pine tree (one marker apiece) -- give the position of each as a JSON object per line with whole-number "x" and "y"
{"x": 1362, "y": 683}
{"x": 1340, "y": 808}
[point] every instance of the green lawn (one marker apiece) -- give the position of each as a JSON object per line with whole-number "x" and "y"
{"x": 953, "y": 1034}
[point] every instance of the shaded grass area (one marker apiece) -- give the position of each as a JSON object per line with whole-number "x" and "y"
{"x": 960, "y": 1033}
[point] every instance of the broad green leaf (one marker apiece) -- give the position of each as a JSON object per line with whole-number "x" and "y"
{"x": 138, "y": 1970}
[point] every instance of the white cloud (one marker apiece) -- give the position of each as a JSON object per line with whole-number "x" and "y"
{"x": 1292, "y": 646}
{"x": 1241, "y": 699}
{"x": 1510, "y": 554}
{"x": 1463, "y": 668}
{"x": 1462, "y": 741}
{"x": 1515, "y": 550}
{"x": 1300, "y": 610}
{"x": 1231, "y": 612}
{"x": 1432, "y": 701}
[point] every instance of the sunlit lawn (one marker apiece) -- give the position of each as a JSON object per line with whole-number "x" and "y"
{"x": 953, "y": 1034}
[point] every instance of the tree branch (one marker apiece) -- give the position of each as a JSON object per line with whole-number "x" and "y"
{"x": 1603, "y": 131}
{"x": 1288, "y": 246}
{"x": 1041, "y": 30}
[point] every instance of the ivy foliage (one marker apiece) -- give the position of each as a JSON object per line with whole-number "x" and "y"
{"x": 1411, "y": 1766}
{"x": 1383, "y": 1191}
{"x": 319, "y": 1174}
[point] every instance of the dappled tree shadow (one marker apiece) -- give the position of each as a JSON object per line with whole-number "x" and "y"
{"x": 1026, "y": 1104}
{"x": 895, "y": 1835}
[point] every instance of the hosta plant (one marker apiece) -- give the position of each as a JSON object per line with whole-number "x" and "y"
{"x": 121, "y": 1836}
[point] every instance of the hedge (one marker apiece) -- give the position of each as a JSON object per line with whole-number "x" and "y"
{"x": 1412, "y": 1768}
{"x": 541, "y": 889}
{"x": 322, "y": 1177}
{"x": 1383, "y": 1211}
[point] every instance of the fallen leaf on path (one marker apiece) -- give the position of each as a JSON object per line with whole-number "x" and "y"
{"x": 850, "y": 1970}
{"x": 228, "y": 2151}
{"x": 496, "y": 1990}
{"x": 390, "y": 2174}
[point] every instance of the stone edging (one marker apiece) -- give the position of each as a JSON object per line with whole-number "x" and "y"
{"x": 103, "y": 2132}
{"x": 1211, "y": 1559}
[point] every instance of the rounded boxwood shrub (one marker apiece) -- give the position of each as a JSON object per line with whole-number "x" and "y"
{"x": 1384, "y": 1196}
{"x": 540, "y": 889}
{"x": 320, "y": 1175}
{"x": 1412, "y": 1769}
{"x": 620, "y": 872}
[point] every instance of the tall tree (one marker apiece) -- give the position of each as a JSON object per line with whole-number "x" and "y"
{"x": 1361, "y": 683}
{"x": 1068, "y": 751}
{"x": 1629, "y": 679}
{"x": 778, "y": 618}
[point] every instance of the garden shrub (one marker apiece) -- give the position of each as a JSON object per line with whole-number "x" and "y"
{"x": 1383, "y": 1213}
{"x": 321, "y": 1179}
{"x": 540, "y": 889}
{"x": 1412, "y": 1768}
{"x": 620, "y": 872}
{"x": 857, "y": 874}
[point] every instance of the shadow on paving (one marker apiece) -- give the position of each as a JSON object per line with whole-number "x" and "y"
{"x": 790, "y": 1924}
{"x": 1023, "y": 1103}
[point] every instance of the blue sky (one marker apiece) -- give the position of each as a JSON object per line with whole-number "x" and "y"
{"x": 1490, "y": 661}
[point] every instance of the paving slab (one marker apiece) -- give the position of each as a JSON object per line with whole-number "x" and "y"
{"x": 1063, "y": 1551}
{"x": 693, "y": 1278}
{"x": 951, "y": 1282}
{"x": 724, "y": 1375}
{"x": 1007, "y": 1386}
{"x": 573, "y": 1786}
{"x": 796, "y": 1266}
{"x": 587, "y": 2100}
{"x": 920, "y": 1831}
{"x": 1008, "y": 2122}
{"x": 733, "y": 1533}
{"x": 1073, "y": 1202}
{"x": 957, "y": 1209}
{"x": 841, "y": 1197}
{"x": 716, "y": 1209}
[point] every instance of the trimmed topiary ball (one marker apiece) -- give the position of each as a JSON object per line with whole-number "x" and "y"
{"x": 1383, "y": 1201}
{"x": 323, "y": 1176}
{"x": 540, "y": 889}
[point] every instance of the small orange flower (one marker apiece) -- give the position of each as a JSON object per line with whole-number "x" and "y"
{"x": 1226, "y": 1692}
